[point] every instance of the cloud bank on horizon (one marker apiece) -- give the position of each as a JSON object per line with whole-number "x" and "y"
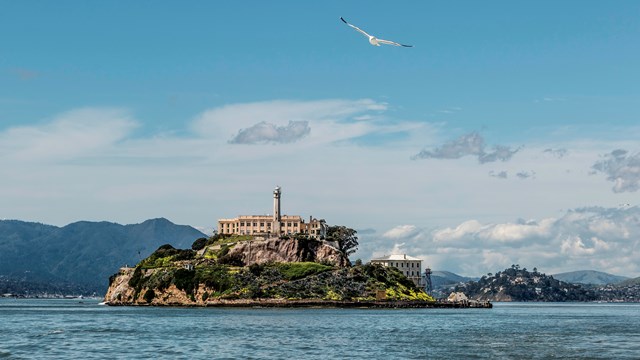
{"x": 587, "y": 238}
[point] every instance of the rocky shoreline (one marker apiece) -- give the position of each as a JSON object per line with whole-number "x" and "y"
{"x": 312, "y": 303}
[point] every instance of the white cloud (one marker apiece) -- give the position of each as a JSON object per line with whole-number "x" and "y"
{"x": 605, "y": 239}
{"x": 469, "y": 144}
{"x": 401, "y": 231}
{"x": 622, "y": 169}
{"x": 264, "y": 132}
{"x": 329, "y": 119}
{"x": 89, "y": 164}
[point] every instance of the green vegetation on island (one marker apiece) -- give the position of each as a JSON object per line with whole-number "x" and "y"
{"x": 214, "y": 270}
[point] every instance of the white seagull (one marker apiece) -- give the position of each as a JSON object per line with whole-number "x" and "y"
{"x": 372, "y": 39}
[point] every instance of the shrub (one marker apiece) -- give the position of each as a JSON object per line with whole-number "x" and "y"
{"x": 216, "y": 276}
{"x": 199, "y": 244}
{"x": 112, "y": 278}
{"x": 293, "y": 271}
{"x": 256, "y": 269}
{"x": 136, "y": 278}
{"x": 149, "y": 295}
{"x": 165, "y": 255}
{"x": 223, "y": 251}
{"x": 231, "y": 259}
{"x": 185, "y": 280}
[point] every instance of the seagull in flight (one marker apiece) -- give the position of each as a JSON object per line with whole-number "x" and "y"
{"x": 372, "y": 39}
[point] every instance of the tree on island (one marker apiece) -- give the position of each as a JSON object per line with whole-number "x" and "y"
{"x": 345, "y": 237}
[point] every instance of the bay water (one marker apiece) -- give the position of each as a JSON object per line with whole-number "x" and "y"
{"x": 83, "y": 329}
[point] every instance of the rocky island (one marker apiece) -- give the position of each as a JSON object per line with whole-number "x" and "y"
{"x": 233, "y": 270}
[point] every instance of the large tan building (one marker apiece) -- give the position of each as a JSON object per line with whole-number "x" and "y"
{"x": 273, "y": 225}
{"x": 409, "y": 266}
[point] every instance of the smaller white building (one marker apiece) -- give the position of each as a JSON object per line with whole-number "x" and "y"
{"x": 411, "y": 267}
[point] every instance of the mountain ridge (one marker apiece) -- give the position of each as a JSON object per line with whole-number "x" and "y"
{"x": 83, "y": 253}
{"x": 587, "y": 277}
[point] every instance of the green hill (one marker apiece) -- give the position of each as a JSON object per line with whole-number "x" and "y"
{"x": 79, "y": 257}
{"x": 516, "y": 284}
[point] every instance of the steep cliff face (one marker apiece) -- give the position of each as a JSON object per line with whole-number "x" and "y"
{"x": 121, "y": 293}
{"x": 291, "y": 250}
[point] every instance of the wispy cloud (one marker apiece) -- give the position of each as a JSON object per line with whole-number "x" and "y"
{"x": 500, "y": 175}
{"x": 286, "y": 121}
{"x": 622, "y": 169}
{"x": 264, "y": 132}
{"x": 526, "y": 175}
{"x": 557, "y": 153}
{"x": 74, "y": 133}
{"x": 472, "y": 144}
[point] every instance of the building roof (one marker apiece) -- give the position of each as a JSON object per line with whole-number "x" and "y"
{"x": 395, "y": 257}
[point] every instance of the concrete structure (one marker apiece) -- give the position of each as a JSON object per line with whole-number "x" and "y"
{"x": 273, "y": 225}
{"x": 408, "y": 265}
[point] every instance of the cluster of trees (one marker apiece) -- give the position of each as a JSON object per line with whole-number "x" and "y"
{"x": 522, "y": 285}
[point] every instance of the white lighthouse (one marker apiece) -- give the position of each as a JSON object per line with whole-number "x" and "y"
{"x": 276, "y": 211}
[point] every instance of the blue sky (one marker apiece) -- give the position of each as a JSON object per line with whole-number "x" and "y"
{"x": 504, "y": 115}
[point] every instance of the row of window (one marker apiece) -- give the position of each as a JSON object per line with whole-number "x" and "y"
{"x": 406, "y": 273}
{"x": 402, "y": 265}
{"x": 268, "y": 224}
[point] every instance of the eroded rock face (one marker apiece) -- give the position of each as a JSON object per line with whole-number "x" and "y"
{"x": 279, "y": 250}
{"x": 119, "y": 290}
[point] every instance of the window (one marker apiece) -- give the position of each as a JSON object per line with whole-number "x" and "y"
{"x": 411, "y": 264}
{"x": 401, "y": 264}
{"x": 242, "y": 223}
{"x": 288, "y": 224}
{"x": 255, "y": 224}
{"x": 261, "y": 224}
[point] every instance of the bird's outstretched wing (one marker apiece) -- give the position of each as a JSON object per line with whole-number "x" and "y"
{"x": 392, "y": 43}
{"x": 355, "y": 27}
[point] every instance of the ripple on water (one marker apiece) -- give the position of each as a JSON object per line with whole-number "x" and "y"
{"x": 65, "y": 330}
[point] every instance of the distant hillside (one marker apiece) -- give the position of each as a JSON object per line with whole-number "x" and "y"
{"x": 589, "y": 277}
{"x": 629, "y": 282}
{"x": 444, "y": 278}
{"x": 82, "y": 254}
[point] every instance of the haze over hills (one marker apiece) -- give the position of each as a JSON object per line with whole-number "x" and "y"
{"x": 81, "y": 255}
{"x": 443, "y": 278}
{"x": 630, "y": 282}
{"x": 589, "y": 277}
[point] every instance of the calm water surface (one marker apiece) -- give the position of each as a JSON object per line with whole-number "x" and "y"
{"x": 43, "y": 329}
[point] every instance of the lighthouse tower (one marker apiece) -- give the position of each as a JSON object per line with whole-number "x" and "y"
{"x": 276, "y": 211}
